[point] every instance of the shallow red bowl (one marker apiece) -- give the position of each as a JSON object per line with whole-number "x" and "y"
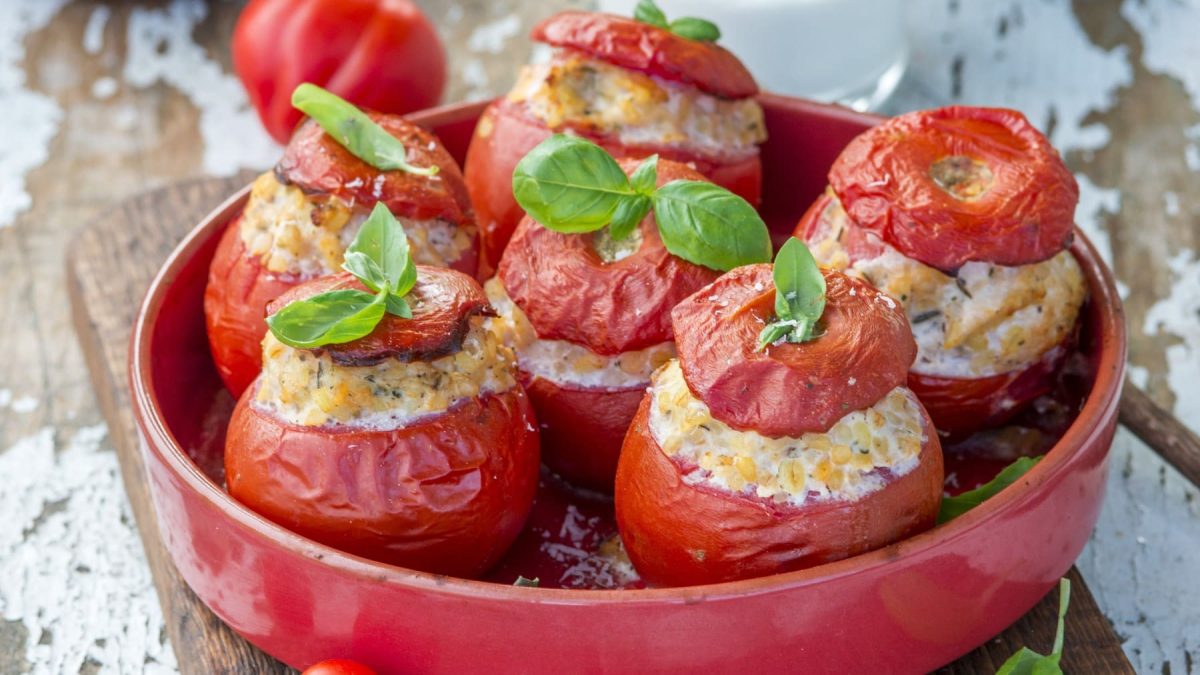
{"x": 910, "y": 607}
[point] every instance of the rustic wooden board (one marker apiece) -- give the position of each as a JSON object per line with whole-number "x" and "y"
{"x": 109, "y": 265}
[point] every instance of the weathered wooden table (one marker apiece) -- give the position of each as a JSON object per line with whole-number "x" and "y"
{"x": 103, "y": 102}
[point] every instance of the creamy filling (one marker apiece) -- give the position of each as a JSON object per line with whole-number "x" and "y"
{"x": 567, "y": 363}
{"x": 855, "y": 458}
{"x": 639, "y": 109}
{"x": 307, "y": 388}
{"x": 987, "y": 320}
{"x": 306, "y": 235}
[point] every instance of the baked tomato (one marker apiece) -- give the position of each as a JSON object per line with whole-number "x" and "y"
{"x": 379, "y": 54}
{"x": 957, "y": 184}
{"x": 298, "y": 221}
{"x": 338, "y": 667}
{"x": 679, "y": 532}
{"x": 608, "y": 319}
{"x": 632, "y": 88}
{"x": 414, "y": 445}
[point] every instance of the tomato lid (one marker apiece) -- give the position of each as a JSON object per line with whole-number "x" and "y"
{"x": 790, "y": 389}
{"x": 569, "y": 292}
{"x": 315, "y": 162}
{"x": 655, "y": 51}
{"x": 442, "y": 301}
{"x": 956, "y": 184}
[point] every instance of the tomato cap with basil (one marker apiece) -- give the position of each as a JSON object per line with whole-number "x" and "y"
{"x": 863, "y": 351}
{"x": 631, "y": 44}
{"x": 570, "y": 293}
{"x": 959, "y": 184}
{"x": 383, "y": 55}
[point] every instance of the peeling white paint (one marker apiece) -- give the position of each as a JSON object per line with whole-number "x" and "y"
{"x": 30, "y": 119}
{"x": 1096, "y": 204}
{"x": 93, "y": 32}
{"x": 1178, "y": 315}
{"x": 25, "y": 404}
{"x": 490, "y": 37}
{"x": 475, "y": 77}
{"x": 72, "y": 570}
{"x": 104, "y": 87}
{"x": 1173, "y": 49}
{"x": 160, "y": 49}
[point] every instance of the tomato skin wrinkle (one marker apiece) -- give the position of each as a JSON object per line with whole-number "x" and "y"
{"x": 354, "y": 48}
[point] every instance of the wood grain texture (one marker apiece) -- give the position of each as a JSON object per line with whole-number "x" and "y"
{"x": 110, "y": 264}
{"x": 1160, "y": 430}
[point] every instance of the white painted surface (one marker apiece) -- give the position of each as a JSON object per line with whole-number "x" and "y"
{"x": 72, "y": 573}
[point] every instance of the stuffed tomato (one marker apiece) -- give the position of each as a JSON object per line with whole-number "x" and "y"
{"x": 632, "y": 87}
{"x": 300, "y": 217}
{"x": 964, "y": 215}
{"x": 751, "y": 456}
{"x": 413, "y": 444}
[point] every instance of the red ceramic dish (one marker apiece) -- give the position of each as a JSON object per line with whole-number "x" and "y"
{"x": 913, "y": 606}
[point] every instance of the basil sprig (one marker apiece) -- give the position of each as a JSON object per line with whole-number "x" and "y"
{"x": 685, "y": 26}
{"x": 953, "y": 507}
{"x": 381, "y": 259}
{"x": 1028, "y": 662}
{"x": 799, "y": 296}
{"x": 354, "y": 130}
{"x": 572, "y": 185}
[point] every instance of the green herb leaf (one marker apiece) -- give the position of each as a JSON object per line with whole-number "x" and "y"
{"x": 953, "y": 507}
{"x": 354, "y": 130}
{"x": 627, "y": 216}
{"x": 696, "y": 29}
{"x": 648, "y": 12}
{"x": 570, "y": 184}
{"x": 644, "y": 179}
{"x": 334, "y": 317}
{"x": 531, "y": 583}
{"x": 398, "y": 306}
{"x": 708, "y": 225}
{"x": 380, "y": 255}
{"x": 1028, "y": 662}
{"x": 799, "y": 295}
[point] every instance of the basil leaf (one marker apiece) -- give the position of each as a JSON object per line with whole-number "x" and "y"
{"x": 530, "y": 583}
{"x": 799, "y": 295}
{"x": 645, "y": 176}
{"x": 695, "y": 29}
{"x": 354, "y": 130}
{"x": 570, "y": 184}
{"x": 629, "y": 213}
{"x": 398, "y": 306}
{"x": 381, "y": 240}
{"x": 953, "y": 507}
{"x": 1028, "y": 662}
{"x": 708, "y": 225}
{"x": 648, "y": 12}
{"x": 329, "y": 318}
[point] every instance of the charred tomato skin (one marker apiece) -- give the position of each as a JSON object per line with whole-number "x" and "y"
{"x": 1021, "y": 212}
{"x": 865, "y": 351}
{"x": 582, "y": 428}
{"x": 568, "y": 292}
{"x": 658, "y": 52}
{"x": 506, "y": 132}
{"x": 446, "y": 494}
{"x": 678, "y": 534}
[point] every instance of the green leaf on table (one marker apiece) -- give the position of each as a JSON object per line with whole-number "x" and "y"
{"x": 708, "y": 225}
{"x": 333, "y": 317}
{"x": 570, "y": 185}
{"x": 1028, "y": 662}
{"x": 355, "y": 130}
{"x": 953, "y": 507}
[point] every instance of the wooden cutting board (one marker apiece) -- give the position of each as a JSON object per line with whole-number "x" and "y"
{"x": 110, "y": 264}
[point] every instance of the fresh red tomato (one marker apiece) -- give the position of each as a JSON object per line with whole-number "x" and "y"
{"x": 338, "y": 667}
{"x": 379, "y": 54}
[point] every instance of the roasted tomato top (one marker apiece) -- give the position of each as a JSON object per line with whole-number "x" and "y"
{"x": 957, "y": 184}
{"x": 610, "y": 304}
{"x": 655, "y": 51}
{"x": 442, "y": 303}
{"x": 315, "y": 162}
{"x": 864, "y": 351}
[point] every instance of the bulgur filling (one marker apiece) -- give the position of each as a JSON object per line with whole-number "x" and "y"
{"x": 638, "y": 108}
{"x": 853, "y": 459}
{"x": 306, "y": 388}
{"x": 987, "y": 320}
{"x": 567, "y": 363}
{"x": 306, "y": 235}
